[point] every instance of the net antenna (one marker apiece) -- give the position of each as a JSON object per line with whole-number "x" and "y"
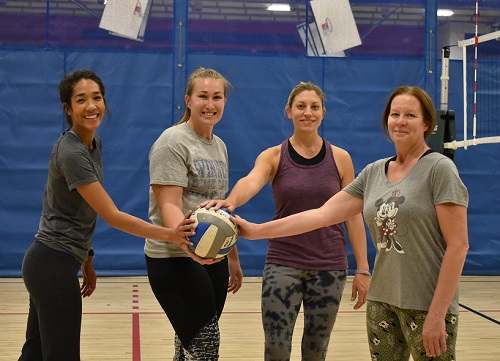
{"x": 444, "y": 130}
{"x": 483, "y": 108}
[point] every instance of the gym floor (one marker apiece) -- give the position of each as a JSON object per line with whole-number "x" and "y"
{"x": 123, "y": 321}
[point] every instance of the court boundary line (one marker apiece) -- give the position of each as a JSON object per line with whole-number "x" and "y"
{"x": 136, "y": 324}
{"x": 479, "y": 313}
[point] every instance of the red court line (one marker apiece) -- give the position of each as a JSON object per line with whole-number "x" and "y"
{"x": 136, "y": 338}
{"x": 225, "y": 312}
{"x": 136, "y": 331}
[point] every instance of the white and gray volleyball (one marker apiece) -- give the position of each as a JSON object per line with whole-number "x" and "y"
{"x": 215, "y": 235}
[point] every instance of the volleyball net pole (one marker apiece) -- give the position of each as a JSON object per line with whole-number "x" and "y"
{"x": 477, "y": 119}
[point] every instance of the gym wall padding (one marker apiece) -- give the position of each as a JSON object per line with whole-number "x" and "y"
{"x": 139, "y": 92}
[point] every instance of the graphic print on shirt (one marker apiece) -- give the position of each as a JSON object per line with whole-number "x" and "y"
{"x": 386, "y": 222}
{"x": 212, "y": 179}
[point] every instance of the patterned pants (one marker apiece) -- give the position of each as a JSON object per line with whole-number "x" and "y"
{"x": 394, "y": 333}
{"x": 193, "y": 298}
{"x": 203, "y": 347}
{"x": 284, "y": 289}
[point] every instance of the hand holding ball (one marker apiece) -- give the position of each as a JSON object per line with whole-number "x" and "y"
{"x": 215, "y": 235}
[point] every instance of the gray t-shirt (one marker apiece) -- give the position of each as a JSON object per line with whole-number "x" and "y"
{"x": 68, "y": 222}
{"x": 181, "y": 157}
{"x": 403, "y": 224}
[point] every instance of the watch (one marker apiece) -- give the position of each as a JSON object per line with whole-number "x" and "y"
{"x": 91, "y": 253}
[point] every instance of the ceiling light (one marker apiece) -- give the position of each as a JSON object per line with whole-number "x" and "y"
{"x": 445, "y": 12}
{"x": 279, "y": 7}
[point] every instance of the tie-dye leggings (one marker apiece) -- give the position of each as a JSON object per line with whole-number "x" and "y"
{"x": 284, "y": 289}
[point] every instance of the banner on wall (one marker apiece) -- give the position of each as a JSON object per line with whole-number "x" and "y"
{"x": 333, "y": 29}
{"x": 126, "y": 18}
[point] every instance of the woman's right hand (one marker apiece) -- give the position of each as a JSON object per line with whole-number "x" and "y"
{"x": 218, "y": 204}
{"x": 246, "y": 229}
{"x": 184, "y": 229}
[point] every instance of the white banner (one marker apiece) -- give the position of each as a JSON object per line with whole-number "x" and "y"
{"x": 126, "y": 18}
{"x": 336, "y": 26}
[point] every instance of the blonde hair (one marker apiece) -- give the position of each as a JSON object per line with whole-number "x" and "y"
{"x": 203, "y": 73}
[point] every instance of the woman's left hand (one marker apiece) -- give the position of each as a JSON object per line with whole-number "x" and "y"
{"x": 89, "y": 278}
{"x": 200, "y": 260}
{"x": 360, "y": 285}
{"x": 235, "y": 276}
{"x": 434, "y": 335}
{"x": 218, "y": 204}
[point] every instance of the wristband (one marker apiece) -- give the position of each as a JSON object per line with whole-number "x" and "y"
{"x": 363, "y": 272}
{"x": 91, "y": 253}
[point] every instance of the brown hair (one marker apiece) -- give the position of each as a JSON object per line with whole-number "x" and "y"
{"x": 303, "y": 86}
{"x": 423, "y": 98}
{"x": 202, "y": 73}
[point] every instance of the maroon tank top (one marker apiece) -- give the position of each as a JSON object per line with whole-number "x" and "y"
{"x": 301, "y": 187}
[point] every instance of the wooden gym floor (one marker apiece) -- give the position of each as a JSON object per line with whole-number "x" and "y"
{"x": 123, "y": 321}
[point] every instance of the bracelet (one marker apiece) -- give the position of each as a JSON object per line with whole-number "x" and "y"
{"x": 363, "y": 272}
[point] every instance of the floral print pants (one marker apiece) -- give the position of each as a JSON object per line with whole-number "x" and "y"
{"x": 394, "y": 333}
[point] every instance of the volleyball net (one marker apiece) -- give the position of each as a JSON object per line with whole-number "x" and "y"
{"x": 481, "y": 91}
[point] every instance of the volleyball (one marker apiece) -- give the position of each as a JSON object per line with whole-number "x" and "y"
{"x": 215, "y": 235}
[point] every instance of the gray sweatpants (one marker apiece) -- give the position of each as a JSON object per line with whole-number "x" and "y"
{"x": 284, "y": 289}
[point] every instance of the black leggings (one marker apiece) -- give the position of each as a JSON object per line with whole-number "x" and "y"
{"x": 55, "y": 313}
{"x": 190, "y": 294}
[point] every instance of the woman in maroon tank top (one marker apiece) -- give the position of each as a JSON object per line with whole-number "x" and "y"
{"x": 310, "y": 269}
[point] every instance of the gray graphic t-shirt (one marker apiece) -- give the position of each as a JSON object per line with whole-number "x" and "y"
{"x": 183, "y": 158}
{"x": 404, "y": 228}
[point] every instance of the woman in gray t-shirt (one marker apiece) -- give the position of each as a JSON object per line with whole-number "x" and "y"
{"x": 415, "y": 206}
{"x": 188, "y": 165}
{"x": 73, "y": 197}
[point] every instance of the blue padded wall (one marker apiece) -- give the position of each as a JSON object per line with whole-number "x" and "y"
{"x": 140, "y": 93}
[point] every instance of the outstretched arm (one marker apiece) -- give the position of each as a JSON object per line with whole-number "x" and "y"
{"x": 97, "y": 197}
{"x": 337, "y": 209}
{"x": 247, "y": 187}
